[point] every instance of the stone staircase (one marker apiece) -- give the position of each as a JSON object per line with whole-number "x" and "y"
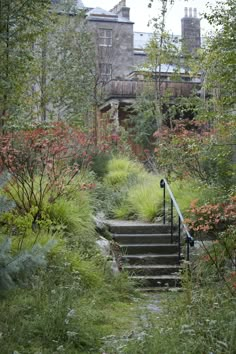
{"x": 147, "y": 253}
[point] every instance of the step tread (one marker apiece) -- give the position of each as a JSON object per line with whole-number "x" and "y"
{"x": 143, "y": 235}
{"x": 148, "y": 244}
{"x": 172, "y": 276}
{"x": 151, "y": 255}
{"x": 159, "y": 289}
{"x": 132, "y": 223}
{"x": 151, "y": 266}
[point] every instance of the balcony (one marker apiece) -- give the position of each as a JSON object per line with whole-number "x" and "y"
{"x": 128, "y": 89}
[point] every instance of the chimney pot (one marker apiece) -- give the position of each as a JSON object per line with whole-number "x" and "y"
{"x": 195, "y": 12}
{"x": 190, "y": 12}
{"x": 185, "y": 12}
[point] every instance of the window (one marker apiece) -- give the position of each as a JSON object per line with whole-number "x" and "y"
{"x": 105, "y": 71}
{"x": 105, "y": 37}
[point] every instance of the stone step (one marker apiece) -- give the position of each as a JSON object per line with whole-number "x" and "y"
{"x": 160, "y": 269}
{"x": 144, "y": 238}
{"x": 157, "y": 281}
{"x": 147, "y": 248}
{"x": 132, "y": 227}
{"x": 147, "y": 259}
{"x": 155, "y": 289}
{"x": 147, "y": 253}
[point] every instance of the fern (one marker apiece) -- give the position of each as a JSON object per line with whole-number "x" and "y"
{"x": 17, "y": 270}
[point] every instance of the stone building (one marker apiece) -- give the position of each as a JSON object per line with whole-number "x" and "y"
{"x": 121, "y": 53}
{"x": 113, "y": 32}
{"x": 120, "y": 49}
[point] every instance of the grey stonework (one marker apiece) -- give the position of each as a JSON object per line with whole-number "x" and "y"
{"x": 191, "y": 30}
{"x": 120, "y": 54}
{"x": 127, "y": 51}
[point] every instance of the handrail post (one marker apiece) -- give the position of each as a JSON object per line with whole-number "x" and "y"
{"x": 171, "y": 220}
{"x": 163, "y": 185}
{"x": 179, "y": 237}
{"x": 188, "y": 250}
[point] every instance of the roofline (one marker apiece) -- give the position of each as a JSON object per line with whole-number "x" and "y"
{"x": 108, "y": 20}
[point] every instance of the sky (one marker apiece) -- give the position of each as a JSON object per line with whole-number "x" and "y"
{"x": 141, "y": 14}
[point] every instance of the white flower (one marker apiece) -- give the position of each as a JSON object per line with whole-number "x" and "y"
{"x": 71, "y": 334}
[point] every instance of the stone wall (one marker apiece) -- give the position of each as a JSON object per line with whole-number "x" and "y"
{"x": 120, "y": 54}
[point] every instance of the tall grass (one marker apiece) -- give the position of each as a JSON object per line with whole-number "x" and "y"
{"x": 201, "y": 319}
{"x": 71, "y": 306}
{"x": 75, "y": 214}
{"x": 143, "y": 200}
{"x": 121, "y": 169}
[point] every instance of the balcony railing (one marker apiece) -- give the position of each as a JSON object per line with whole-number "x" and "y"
{"x": 130, "y": 88}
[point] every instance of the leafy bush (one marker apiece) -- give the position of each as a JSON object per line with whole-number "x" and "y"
{"x": 217, "y": 261}
{"x": 18, "y": 269}
{"x": 106, "y": 199}
{"x": 5, "y": 203}
{"x": 212, "y": 217}
{"x": 100, "y": 162}
{"x": 193, "y": 148}
{"x": 41, "y": 164}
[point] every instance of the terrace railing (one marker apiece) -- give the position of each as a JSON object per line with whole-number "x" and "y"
{"x": 132, "y": 88}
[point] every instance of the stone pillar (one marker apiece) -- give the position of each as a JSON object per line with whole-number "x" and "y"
{"x": 98, "y": 125}
{"x": 114, "y": 114}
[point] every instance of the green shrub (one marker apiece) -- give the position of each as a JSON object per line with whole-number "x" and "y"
{"x": 16, "y": 270}
{"x": 107, "y": 198}
{"x": 100, "y": 162}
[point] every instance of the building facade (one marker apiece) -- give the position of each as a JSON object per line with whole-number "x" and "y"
{"x": 120, "y": 57}
{"x": 121, "y": 50}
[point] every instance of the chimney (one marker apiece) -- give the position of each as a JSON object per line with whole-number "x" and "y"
{"x": 191, "y": 31}
{"x": 121, "y": 9}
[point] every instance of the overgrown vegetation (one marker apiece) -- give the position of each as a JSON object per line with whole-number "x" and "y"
{"x": 57, "y": 292}
{"x": 52, "y": 274}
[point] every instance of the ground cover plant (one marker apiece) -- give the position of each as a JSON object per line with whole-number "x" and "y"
{"x": 69, "y": 307}
{"x": 199, "y": 320}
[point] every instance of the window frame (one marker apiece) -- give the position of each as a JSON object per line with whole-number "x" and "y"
{"x": 105, "y": 37}
{"x": 105, "y": 70}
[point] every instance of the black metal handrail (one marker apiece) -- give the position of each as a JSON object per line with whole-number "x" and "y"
{"x": 189, "y": 239}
